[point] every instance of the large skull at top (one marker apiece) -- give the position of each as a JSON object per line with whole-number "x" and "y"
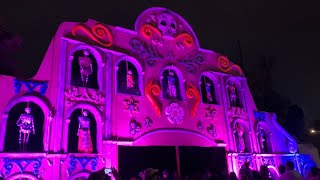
{"x": 167, "y": 25}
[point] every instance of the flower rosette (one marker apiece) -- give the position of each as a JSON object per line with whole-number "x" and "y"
{"x": 175, "y": 113}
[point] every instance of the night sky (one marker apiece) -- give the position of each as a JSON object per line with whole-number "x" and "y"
{"x": 287, "y": 31}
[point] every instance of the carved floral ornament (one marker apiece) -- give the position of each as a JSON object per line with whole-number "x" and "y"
{"x": 236, "y": 112}
{"x": 77, "y": 94}
{"x": 175, "y": 113}
{"x": 210, "y": 112}
{"x": 131, "y": 105}
{"x": 268, "y": 160}
{"x": 135, "y": 127}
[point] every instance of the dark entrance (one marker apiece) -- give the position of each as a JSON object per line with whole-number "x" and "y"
{"x": 199, "y": 161}
{"x": 192, "y": 160}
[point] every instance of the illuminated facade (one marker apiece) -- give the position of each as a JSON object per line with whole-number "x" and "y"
{"x": 101, "y": 86}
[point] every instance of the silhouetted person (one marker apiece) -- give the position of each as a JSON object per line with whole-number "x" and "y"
{"x": 100, "y": 175}
{"x": 264, "y": 172}
{"x": 233, "y": 176}
{"x": 314, "y": 174}
{"x": 290, "y": 173}
{"x": 282, "y": 169}
{"x": 245, "y": 171}
{"x": 256, "y": 175}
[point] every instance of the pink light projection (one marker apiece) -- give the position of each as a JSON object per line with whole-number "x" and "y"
{"x": 152, "y": 86}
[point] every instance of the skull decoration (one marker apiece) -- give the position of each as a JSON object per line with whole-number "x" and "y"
{"x": 167, "y": 25}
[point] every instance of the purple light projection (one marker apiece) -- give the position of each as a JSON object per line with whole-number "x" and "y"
{"x": 155, "y": 75}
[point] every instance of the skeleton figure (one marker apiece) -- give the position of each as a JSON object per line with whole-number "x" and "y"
{"x": 167, "y": 25}
{"x": 130, "y": 82}
{"x": 26, "y": 124}
{"x": 241, "y": 144}
{"x": 85, "y": 67}
{"x": 208, "y": 92}
{"x": 232, "y": 94}
{"x": 171, "y": 91}
{"x": 84, "y": 141}
{"x": 261, "y": 138}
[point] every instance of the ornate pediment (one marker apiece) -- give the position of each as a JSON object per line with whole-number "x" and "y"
{"x": 236, "y": 112}
{"x": 75, "y": 94}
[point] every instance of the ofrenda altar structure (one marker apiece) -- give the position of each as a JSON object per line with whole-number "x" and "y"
{"x": 100, "y": 87}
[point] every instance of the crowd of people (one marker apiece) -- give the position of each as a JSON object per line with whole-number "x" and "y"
{"x": 287, "y": 172}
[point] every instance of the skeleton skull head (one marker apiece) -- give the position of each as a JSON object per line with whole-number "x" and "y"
{"x": 167, "y": 24}
{"x": 85, "y": 53}
{"x": 27, "y": 110}
{"x": 85, "y": 113}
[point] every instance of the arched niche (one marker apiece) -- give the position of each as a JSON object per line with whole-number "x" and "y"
{"x": 95, "y": 80}
{"x": 237, "y": 124}
{"x": 80, "y": 176}
{"x": 209, "y": 88}
{"x": 172, "y": 75}
{"x": 234, "y": 92}
{"x": 183, "y": 137}
{"x": 71, "y": 125}
{"x": 39, "y": 109}
{"x": 263, "y": 135}
{"x": 129, "y": 76}
{"x": 22, "y": 177}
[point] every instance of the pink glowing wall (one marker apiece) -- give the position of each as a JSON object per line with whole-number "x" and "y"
{"x": 178, "y": 51}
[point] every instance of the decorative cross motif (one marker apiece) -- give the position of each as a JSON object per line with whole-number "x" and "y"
{"x": 22, "y": 164}
{"x": 212, "y": 130}
{"x": 148, "y": 122}
{"x": 31, "y": 86}
{"x": 131, "y": 105}
{"x": 135, "y": 127}
{"x": 83, "y": 162}
{"x": 210, "y": 112}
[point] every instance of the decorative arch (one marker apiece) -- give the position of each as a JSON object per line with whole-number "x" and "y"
{"x": 239, "y": 92}
{"x": 246, "y": 134}
{"x": 181, "y": 92}
{"x": 80, "y": 175}
{"x": 19, "y": 176}
{"x": 268, "y": 134}
{"x": 97, "y": 56}
{"x": 142, "y": 19}
{"x": 183, "y": 137}
{"x": 137, "y": 69}
{"x": 215, "y": 87}
{"x": 97, "y": 116}
{"x": 45, "y": 109}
